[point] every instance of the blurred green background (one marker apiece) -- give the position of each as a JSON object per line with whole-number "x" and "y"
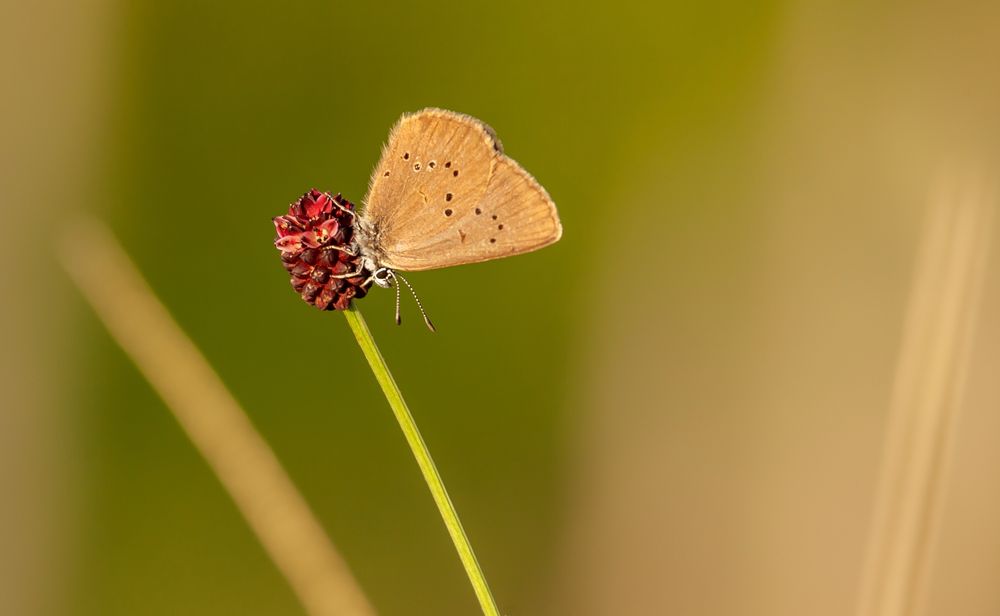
{"x": 223, "y": 115}
{"x": 675, "y": 409}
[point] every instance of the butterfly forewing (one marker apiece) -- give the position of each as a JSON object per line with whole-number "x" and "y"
{"x": 444, "y": 194}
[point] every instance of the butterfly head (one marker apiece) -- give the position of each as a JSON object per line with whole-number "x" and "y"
{"x": 384, "y": 277}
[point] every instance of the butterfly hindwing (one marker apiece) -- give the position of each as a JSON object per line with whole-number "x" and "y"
{"x": 444, "y": 194}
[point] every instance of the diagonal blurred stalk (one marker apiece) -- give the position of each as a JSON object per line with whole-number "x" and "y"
{"x": 926, "y": 399}
{"x": 244, "y": 463}
{"x": 424, "y": 461}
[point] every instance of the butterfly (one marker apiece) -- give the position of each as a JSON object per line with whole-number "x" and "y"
{"x": 442, "y": 194}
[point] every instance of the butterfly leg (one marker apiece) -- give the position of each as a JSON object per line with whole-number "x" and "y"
{"x": 341, "y": 249}
{"x": 344, "y": 209}
{"x": 353, "y": 274}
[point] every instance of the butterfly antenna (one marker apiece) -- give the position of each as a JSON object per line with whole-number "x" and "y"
{"x": 417, "y": 299}
{"x": 399, "y": 319}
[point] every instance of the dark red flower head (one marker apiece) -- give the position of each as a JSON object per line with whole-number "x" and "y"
{"x": 316, "y": 247}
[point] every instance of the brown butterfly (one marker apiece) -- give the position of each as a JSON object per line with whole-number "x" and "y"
{"x": 443, "y": 194}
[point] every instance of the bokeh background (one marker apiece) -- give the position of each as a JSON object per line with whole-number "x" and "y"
{"x": 681, "y": 408}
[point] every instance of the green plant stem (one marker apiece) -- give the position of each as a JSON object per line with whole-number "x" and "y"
{"x": 424, "y": 461}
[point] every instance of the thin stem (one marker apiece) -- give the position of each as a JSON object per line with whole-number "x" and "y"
{"x": 423, "y": 456}
{"x": 212, "y": 419}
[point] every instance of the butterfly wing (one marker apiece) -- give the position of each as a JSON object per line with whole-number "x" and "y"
{"x": 444, "y": 194}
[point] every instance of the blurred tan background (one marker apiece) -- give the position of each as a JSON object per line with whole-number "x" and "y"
{"x": 757, "y": 375}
